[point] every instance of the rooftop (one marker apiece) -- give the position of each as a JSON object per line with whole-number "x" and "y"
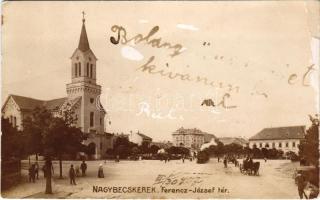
{"x": 280, "y": 133}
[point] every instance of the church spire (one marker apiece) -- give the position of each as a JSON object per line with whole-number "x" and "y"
{"x": 83, "y": 42}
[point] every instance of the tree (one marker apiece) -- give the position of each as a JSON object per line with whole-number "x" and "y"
{"x": 123, "y": 147}
{"x": 55, "y": 135}
{"x": 11, "y": 140}
{"x": 154, "y": 149}
{"x": 144, "y": 147}
{"x": 309, "y": 148}
{"x": 135, "y": 151}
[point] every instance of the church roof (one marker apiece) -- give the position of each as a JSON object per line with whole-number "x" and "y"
{"x": 27, "y": 103}
{"x": 83, "y": 45}
{"x": 280, "y": 133}
{"x": 54, "y": 104}
{"x": 83, "y": 42}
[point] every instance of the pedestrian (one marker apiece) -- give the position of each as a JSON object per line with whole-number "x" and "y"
{"x": 301, "y": 182}
{"x": 100, "y": 172}
{"x": 72, "y": 175}
{"x": 117, "y": 158}
{"x": 182, "y": 159}
{"x": 218, "y": 159}
{"x": 32, "y": 173}
{"x": 37, "y": 170}
{"x": 225, "y": 162}
{"x": 265, "y": 159}
{"x": 83, "y": 168}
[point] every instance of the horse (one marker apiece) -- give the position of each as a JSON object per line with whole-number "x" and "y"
{"x": 250, "y": 168}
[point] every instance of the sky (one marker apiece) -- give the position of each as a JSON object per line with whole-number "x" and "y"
{"x": 265, "y": 50}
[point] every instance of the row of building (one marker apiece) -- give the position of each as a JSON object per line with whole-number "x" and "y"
{"x": 281, "y": 138}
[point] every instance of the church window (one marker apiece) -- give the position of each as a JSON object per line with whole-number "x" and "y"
{"x": 91, "y": 119}
{"x": 76, "y": 69}
{"x": 91, "y": 100}
{"x": 91, "y": 66}
{"x": 100, "y": 121}
{"x": 88, "y": 75}
{"x": 14, "y": 121}
{"x": 79, "y": 69}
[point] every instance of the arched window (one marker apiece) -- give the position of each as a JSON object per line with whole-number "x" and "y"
{"x": 88, "y": 75}
{"x": 91, "y": 119}
{"x": 91, "y": 66}
{"x": 76, "y": 69}
{"x": 14, "y": 121}
{"x": 79, "y": 68}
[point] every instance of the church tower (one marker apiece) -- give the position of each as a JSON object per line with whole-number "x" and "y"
{"x": 83, "y": 86}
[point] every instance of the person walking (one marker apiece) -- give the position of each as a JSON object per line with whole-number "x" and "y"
{"x": 32, "y": 173}
{"x": 182, "y": 159}
{"x": 100, "y": 171}
{"x": 83, "y": 168}
{"x": 72, "y": 175}
{"x": 301, "y": 182}
{"x": 37, "y": 170}
{"x": 225, "y": 162}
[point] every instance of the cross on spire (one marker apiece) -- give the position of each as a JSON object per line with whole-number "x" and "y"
{"x": 83, "y": 19}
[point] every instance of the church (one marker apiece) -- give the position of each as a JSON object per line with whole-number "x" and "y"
{"x": 83, "y": 95}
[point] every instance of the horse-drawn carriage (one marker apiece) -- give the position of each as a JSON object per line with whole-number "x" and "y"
{"x": 249, "y": 167}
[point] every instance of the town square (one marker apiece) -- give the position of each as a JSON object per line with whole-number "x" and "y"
{"x": 119, "y": 100}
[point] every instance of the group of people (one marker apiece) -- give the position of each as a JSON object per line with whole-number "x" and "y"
{"x": 73, "y": 173}
{"x": 33, "y": 172}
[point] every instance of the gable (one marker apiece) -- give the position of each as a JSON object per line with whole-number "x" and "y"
{"x": 10, "y": 104}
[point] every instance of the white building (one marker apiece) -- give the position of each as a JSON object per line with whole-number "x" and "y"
{"x": 281, "y": 138}
{"x": 139, "y": 138}
{"x": 191, "y": 138}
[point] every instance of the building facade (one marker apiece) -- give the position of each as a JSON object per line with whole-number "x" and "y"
{"x": 281, "y": 138}
{"x": 82, "y": 97}
{"x": 191, "y": 138}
